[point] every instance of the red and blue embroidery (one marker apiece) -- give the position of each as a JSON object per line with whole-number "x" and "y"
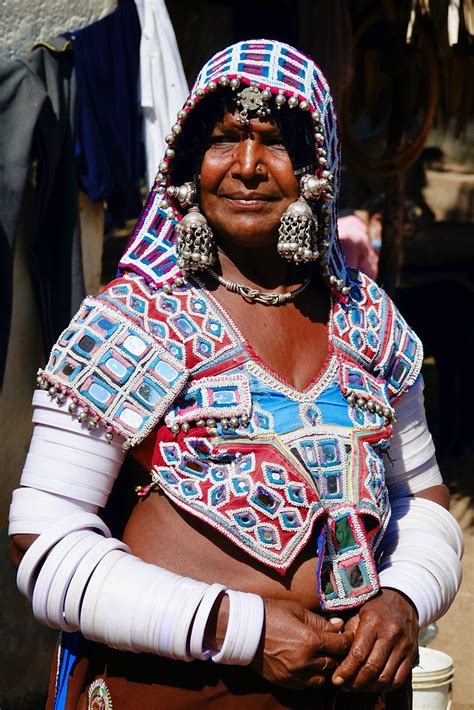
{"x": 264, "y": 464}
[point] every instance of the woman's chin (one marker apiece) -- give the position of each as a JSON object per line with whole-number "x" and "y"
{"x": 251, "y": 238}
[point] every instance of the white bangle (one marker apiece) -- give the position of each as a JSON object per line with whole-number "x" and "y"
{"x": 191, "y": 595}
{"x": 445, "y": 589}
{"x": 172, "y": 637}
{"x": 43, "y": 594}
{"x": 432, "y": 553}
{"x": 428, "y": 515}
{"x": 35, "y": 554}
{"x": 32, "y": 510}
{"x": 60, "y": 419}
{"x": 422, "y": 547}
{"x": 90, "y": 623}
{"x": 78, "y": 440}
{"x": 82, "y": 574}
{"x": 254, "y": 628}
{"x": 64, "y": 455}
{"x": 60, "y": 584}
{"x": 233, "y": 628}
{"x": 418, "y": 584}
{"x": 410, "y": 464}
{"x": 196, "y": 641}
{"x": 244, "y": 629}
{"x": 66, "y": 480}
{"x": 160, "y": 629}
{"x": 113, "y": 615}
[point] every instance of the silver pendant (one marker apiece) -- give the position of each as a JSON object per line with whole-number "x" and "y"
{"x": 252, "y": 100}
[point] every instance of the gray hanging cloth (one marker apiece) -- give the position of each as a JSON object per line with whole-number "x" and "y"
{"x": 37, "y": 95}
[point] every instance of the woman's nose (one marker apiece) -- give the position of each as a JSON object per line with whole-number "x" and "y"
{"x": 248, "y": 159}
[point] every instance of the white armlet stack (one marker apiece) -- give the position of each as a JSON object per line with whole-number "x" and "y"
{"x": 411, "y": 462}
{"x": 423, "y": 544}
{"x": 78, "y": 577}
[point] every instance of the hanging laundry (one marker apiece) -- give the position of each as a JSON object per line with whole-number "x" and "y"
{"x": 106, "y": 56}
{"x": 163, "y": 85}
{"x": 468, "y": 9}
{"x": 455, "y": 49}
{"x": 461, "y": 26}
{"x": 37, "y": 124}
{"x": 419, "y": 8}
{"x": 453, "y": 21}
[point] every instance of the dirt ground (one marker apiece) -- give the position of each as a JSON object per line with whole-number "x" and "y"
{"x": 456, "y": 628}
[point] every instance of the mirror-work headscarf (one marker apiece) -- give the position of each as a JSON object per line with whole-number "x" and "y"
{"x": 295, "y": 83}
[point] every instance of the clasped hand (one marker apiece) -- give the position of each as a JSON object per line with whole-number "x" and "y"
{"x": 373, "y": 651}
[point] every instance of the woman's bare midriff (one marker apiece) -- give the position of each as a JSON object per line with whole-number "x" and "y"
{"x": 162, "y": 534}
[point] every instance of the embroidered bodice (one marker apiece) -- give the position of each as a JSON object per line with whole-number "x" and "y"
{"x": 261, "y": 462}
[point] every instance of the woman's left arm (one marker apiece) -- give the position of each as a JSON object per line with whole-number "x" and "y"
{"x": 386, "y": 627}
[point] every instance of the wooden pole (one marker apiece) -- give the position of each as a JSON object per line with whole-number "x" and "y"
{"x": 393, "y": 225}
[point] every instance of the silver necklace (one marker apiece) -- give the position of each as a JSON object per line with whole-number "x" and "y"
{"x": 252, "y": 294}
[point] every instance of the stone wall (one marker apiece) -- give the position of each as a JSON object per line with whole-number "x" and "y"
{"x": 24, "y": 22}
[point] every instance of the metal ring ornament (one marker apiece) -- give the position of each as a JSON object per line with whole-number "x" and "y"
{"x": 406, "y": 156}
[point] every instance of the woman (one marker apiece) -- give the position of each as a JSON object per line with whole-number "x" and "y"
{"x": 258, "y": 394}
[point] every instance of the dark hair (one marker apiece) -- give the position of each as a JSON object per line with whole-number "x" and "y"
{"x": 295, "y": 127}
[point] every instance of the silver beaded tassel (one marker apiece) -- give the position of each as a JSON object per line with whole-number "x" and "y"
{"x": 297, "y": 233}
{"x": 196, "y": 246}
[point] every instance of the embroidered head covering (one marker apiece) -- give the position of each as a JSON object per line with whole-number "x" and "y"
{"x": 293, "y": 80}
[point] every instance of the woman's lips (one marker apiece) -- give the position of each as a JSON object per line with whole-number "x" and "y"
{"x": 249, "y": 203}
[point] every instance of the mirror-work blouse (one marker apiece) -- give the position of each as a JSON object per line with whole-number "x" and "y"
{"x": 234, "y": 444}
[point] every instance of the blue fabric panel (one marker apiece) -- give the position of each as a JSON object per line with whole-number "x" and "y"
{"x": 68, "y": 657}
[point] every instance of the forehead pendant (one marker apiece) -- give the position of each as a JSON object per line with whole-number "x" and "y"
{"x": 252, "y": 101}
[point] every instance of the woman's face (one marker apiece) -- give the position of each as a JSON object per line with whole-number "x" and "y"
{"x": 247, "y": 181}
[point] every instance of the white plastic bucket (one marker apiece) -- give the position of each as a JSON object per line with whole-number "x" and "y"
{"x": 432, "y": 680}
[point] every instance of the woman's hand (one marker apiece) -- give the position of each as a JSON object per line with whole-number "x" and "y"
{"x": 299, "y": 647}
{"x": 385, "y": 645}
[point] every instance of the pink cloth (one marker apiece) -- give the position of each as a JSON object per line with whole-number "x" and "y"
{"x": 356, "y": 245}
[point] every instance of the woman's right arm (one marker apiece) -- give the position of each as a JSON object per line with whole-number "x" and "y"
{"x": 78, "y": 577}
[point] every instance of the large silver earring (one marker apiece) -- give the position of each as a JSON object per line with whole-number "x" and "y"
{"x": 297, "y": 233}
{"x": 196, "y": 246}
